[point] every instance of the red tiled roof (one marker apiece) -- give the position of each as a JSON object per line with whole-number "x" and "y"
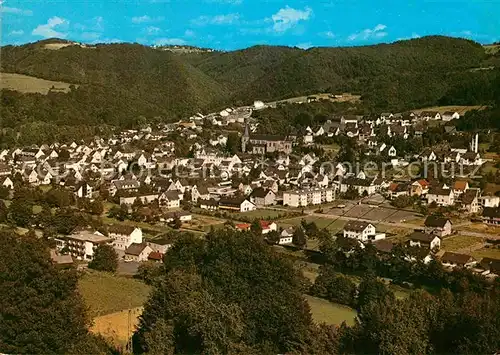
{"x": 243, "y": 226}
{"x": 155, "y": 255}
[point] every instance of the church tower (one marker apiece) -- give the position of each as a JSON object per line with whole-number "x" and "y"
{"x": 245, "y": 139}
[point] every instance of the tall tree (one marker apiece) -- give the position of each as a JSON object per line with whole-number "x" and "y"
{"x": 229, "y": 294}
{"x": 299, "y": 237}
{"x": 41, "y": 311}
{"x": 105, "y": 259}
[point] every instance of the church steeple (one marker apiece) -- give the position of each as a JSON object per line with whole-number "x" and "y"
{"x": 245, "y": 139}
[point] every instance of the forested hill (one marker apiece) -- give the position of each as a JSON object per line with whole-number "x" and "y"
{"x": 124, "y": 84}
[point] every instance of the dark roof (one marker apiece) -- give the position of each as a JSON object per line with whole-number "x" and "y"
{"x": 266, "y": 137}
{"x": 236, "y": 202}
{"x": 439, "y": 191}
{"x": 356, "y": 226}
{"x": 353, "y": 181}
{"x": 491, "y": 212}
{"x": 126, "y": 184}
{"x": 135, "y": 249}
{"x": 469, "y": 196}
{"x": 260, "y": 192}
{"x": 209, "y": 202}
{"x": 120, "y": 229}
{"x": 383, "y": 245}
{"x": 422, "y": 237}
{"x": 172, "y": 195}
{"x": 436, "y": 222}
{"x": 491, "y": 264}
{"x": 456, "y": 258}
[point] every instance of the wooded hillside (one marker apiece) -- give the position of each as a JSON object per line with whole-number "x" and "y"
{"x": 126, "y": 84}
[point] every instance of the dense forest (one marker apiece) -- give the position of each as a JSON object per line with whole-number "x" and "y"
{"x": 129, "y": 84}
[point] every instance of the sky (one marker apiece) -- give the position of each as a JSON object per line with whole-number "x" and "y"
{"x": 236, "y": 24}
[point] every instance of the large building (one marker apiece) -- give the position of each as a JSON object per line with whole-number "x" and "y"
{"x": 303, "y": 198}
{"x": 123, "y": 236}
{"x": 265, "y": 143}
{"x": 82, "y": 245}
{"x": 362, "y": 231}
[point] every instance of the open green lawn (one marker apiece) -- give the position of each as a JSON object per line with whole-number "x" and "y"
{"x": 459, "y": 242}
{"x": 106, "y": 293}
{"x": 143, "y": 225}
{"x": 330, "y": 313}
{"x": 259, "y": 214}
{"x": 330, "y": 223}
{"x": 486, "y": 253}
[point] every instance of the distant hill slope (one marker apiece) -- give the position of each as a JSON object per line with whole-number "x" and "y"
{"x": 119, "y": 83}
{"x": 30, "y": 84}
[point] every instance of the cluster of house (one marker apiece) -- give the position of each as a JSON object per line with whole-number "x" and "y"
{"x": 427, "y": 243}
{"x": 126, "y": 240}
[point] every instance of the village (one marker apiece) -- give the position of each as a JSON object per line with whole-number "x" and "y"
{"x": 149, "y": 190}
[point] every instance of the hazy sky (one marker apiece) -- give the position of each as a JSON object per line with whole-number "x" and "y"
{"x": 233, "y": 24}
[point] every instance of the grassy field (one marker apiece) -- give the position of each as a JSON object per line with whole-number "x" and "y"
{"x": 481, "y": 228}
{"x": 30, "y": 84}
{"x": 330, "y": 313}
{"x": 321, "y": 222}
{"x": 259, "y": 214}
{"x": 105, "y": 293}
{"x": 116, "y": 327}
{"x": 459, "y": 242}
{"x": 492, "y": 48}
{"x": 486, "y": 253}
{"x": 460, "y": 109}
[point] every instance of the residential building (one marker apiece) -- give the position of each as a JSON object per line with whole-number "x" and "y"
{"x": 469, "y": 201}
{"x": 303, "y": 198}
{"x": 163, "y": 243}
{"x": 424, "y": 240}
{"x": 286, "y": 236}
{"x": 83, "y": 190}
{"x": 239, "y": 204}
{"x": 362, "y": 231}
{"x": 441, "y": 196}
{"x": 439, "y": 226}
{"x": 459, "y": 187}
{"x": 263, "y": 197}
{"x": 137, "y": 252}
{"x": 123, "y": 236}
{"x": 453, "y": 260}
{"x": 268, "y": 227}
{"x": 489, "y": 201}
{"x": 491, "y": 215}
{"x": 82, "y": 245}
{"x": 419, "y": 188}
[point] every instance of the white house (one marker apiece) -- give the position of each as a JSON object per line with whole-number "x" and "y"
{"x": 236, "y": 204}
{"x": 441, "y": 196}
{"x": 362, "y": 231}
{"x": 137, "y": 252}
{"x": 286, "y": 236}
{"x": 123, "y": 236}
{"x": 8, "y": 183}
{"x": 450, "y": 115}
{"x": 426, "y": 240}
{"x": 268, "y": 227}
